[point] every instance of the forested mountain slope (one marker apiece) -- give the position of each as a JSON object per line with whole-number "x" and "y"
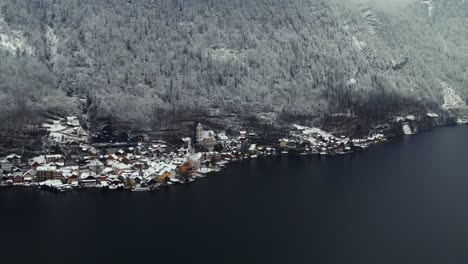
{"x": 137, "y": 60}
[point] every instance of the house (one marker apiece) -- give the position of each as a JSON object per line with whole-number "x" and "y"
{"x": 243, "y": 134}
{"x": 45, "y": 172}
{"x": 6, "y": 165}
{"x": 253, "y": 149}
{"x": 58, "y": 175}
{"x": 56, "y": 159}
{"x": 107, "y": 171}
{"x": 195, "y": 160}
{"x": 30, "y": 176}
{"x": 70, "y": 174}
{"x": 178, "y": 161}
{"x": 37, "y": 161}
{"x": 186, "y": 147}
{"x": 95, "y": 166}
{"x": 14, "y": 159}
{"x": 18, "y": 178}
{"x": 283, "y": 143}
{"x": 88, "y": 179}
{"x": 17, "y": 171}
{"x": 287, "y": 144}
{"x": 120, "y": 153}
{"x": 4, "y": 178}
{"x": 11, "y": 178}
{"x": 112, "y": 157}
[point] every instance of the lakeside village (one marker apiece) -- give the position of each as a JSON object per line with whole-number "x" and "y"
{"x": 147, "y": 166}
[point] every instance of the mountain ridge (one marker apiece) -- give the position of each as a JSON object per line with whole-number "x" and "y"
{"x": 138, "y": 62}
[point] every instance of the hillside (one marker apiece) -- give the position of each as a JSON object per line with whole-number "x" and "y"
{"x": 138, "y": 62}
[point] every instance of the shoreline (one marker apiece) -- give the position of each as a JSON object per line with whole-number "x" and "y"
{"x": 118, "y": 184}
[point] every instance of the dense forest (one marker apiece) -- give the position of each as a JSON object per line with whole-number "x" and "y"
{"x": 136, "y": 61}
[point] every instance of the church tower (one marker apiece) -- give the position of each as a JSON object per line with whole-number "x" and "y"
{"x": 199, "y": 133}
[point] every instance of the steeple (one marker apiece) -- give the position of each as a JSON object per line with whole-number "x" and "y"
{"x": 199, "y": 133}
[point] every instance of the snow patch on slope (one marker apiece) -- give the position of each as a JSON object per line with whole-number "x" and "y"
{"x": 359, "y": 44}
{"x": 12, "y": 40}
{"x": 226, "y": 54}
{"x": 352, "y": 81}
{"x": 451, "y": 99}
{"x": 52, "y": 43}
{"x": 430, "y": 7}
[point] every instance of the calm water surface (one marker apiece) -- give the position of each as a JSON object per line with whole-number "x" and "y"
{"x": 402, "y": 202}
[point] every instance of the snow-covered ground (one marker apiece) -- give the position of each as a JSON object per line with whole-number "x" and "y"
{"x": 226, "y": 54}
{"x": 359, "y": 44}
{"x": 60, "y": 132}
{"x": 12, "y": 40}
{"x": 52, "y": 42}
{"x": 451, "y": 99}
{"x": 352, "y": 81}
{"x": 430, "y": 7}
{"x": 313, "y": 131}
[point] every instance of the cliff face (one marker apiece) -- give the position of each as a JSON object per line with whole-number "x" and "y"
{"x": 146, "y": 64}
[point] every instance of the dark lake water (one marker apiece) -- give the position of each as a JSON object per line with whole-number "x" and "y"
{"x": 402, "y": 202}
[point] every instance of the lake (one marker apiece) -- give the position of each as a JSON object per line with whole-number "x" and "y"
{"x": 401, "y": 202}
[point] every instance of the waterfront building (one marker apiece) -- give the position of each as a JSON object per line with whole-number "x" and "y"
{"x": 45, "y": 172}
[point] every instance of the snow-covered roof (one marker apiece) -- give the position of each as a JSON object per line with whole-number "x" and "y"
{"x": 31, "y": 172}
{"x": 95, "y": 163}
{"x": 208, "y": 134}
{"x": 195, "y": 156}
{"x": 46, "y": 168}
{"x": 87, "y": 174}
{"x": 39, "y": 160}
{"x": 107, "y": 170}
{"x": 54, "y": 156}
{"x": 179, "y": 161}
{"x": 11, "y": 156}
{"x": 120, "y": 166}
